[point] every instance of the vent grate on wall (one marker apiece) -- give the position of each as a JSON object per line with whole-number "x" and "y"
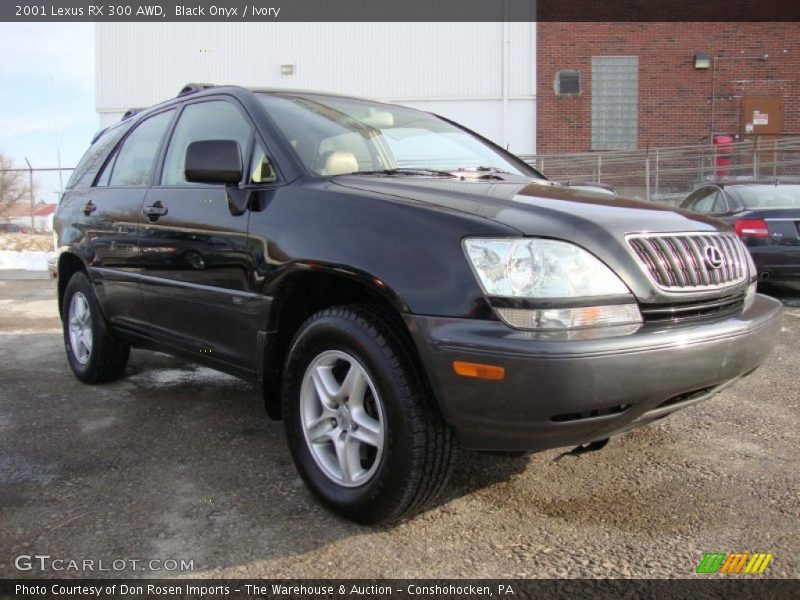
{"x": 568, "y": 83}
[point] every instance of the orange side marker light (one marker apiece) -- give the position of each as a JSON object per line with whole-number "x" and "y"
{"x": 478, "y": 370}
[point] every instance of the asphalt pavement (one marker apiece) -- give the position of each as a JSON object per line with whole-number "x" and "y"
{"x": 177, "y": 462}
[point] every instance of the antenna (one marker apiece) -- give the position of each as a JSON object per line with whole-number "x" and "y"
{"x": 55, "y": 131}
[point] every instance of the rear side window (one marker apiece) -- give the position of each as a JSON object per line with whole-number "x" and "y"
{"x": 215, "y": 120}
{"x": 93, "y": 159}
{"x": 133, "y": 164}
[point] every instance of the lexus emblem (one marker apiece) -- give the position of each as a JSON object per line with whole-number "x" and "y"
{"x": 714, "y": 258}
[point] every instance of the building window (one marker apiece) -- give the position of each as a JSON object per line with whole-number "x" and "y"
{"x": 615, "y": 95}
{"x": 568, "y": 83}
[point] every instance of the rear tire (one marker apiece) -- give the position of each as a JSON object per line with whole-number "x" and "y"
{"x": 354, "y": 357}
{"x": 94, "y": 354}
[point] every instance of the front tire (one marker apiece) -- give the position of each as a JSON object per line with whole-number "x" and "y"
{"x": 362, "y": 427}
{"x": 94, "y": 354}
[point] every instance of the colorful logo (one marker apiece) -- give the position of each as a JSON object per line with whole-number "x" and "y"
{"x": 734, "y": 562}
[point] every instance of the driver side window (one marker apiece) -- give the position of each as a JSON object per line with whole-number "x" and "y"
{"x": 261, "y": 171}
{"x": 213, "y": 120}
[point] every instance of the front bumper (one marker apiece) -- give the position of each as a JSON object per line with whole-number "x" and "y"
{"x": 567, "y": 389}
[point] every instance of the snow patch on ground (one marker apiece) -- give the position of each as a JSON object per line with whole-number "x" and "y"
{"x": 10, "y": 332}
{"x": 32, "y": 309}
{"x": 91, "y": 425}
{"x": 27, "y": 260}
{"x": 157, "y": 378}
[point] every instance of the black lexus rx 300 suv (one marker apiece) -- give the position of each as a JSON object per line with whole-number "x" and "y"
{"x": 397, "y": 283}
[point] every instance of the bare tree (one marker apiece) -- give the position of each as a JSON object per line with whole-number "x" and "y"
{"x": 13, "y": 184}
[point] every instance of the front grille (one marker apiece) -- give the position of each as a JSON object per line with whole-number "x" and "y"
{"x": 686, "y": 262}
{"x": 692, "y": 310}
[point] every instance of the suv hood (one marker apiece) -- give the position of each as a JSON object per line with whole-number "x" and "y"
{"x": 597, "y": 222}
{"x": 535, "y": 208}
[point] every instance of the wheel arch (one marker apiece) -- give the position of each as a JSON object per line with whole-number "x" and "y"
{"x": 68, "y": 264}
{"x": 305, "y": 292}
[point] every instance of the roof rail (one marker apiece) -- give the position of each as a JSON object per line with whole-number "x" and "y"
{"x": 191, "y": 88}
{"x": 130, "y": 112}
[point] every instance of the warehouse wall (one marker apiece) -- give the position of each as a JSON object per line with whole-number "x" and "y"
{"x": 454, "y": 69}
{"x": 674, "y": 99}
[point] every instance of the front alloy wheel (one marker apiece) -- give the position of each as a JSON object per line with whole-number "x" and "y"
{"x": 342, "y": 418}
{"x": 362, "y": 426}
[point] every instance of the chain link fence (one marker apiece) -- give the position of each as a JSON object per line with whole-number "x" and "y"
{"x": 668, "y": 174}
{"x": 665, "y": 175}
{"x": 23, "y": 196}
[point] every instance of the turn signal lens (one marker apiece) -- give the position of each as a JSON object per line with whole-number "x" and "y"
{"x": 751, "y": 228}
{"x": 478, "y": 370}
{"x": 570, "y": 318}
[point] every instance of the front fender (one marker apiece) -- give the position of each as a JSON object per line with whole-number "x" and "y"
{"x": 409, "y": 252}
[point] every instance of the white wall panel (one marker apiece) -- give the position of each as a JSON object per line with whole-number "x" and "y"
{"x": 139, "y": 64}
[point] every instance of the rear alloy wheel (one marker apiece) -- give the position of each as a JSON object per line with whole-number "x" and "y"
{"x": 80, "y": 328}
{"x": 94, "y": 354}
{"x": 362, "y": 426}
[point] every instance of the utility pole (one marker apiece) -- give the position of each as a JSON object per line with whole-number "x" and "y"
{"x": 30, "y": 190}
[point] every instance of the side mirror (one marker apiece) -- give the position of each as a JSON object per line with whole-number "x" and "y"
{"x": 214, "y": 161}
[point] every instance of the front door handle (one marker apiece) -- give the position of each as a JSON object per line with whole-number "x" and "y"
{"x": 155, "y": 210}
{"x": 89, "y": 208}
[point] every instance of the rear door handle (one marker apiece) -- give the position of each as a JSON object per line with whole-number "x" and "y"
{"x": 155, "y": 210}
{"x": 89, "y": 208}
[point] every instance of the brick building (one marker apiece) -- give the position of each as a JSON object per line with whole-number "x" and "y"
{"x": 604, "y": 86}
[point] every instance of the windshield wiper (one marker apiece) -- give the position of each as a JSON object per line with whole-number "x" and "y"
{"x": 408, "y": 171}
{"x": 481, "y": 170}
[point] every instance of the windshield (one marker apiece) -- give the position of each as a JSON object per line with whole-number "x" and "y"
{"x": 769, "y": 196}
{"x": 336, "y": 136}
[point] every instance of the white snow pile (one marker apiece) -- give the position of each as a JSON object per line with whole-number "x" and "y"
{"x": 27, "y": 260}
{"x": 156, "y": 378}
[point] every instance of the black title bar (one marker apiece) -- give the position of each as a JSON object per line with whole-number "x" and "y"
{"x": 399, "y": 10}
{"x": 400, "y": 589}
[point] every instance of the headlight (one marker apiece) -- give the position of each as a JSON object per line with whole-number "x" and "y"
{"x": 750, "y": 294}
{"x": 539, "y": 268}
{"x": 542, "y": 269}
{"x": 751, "y": 266}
